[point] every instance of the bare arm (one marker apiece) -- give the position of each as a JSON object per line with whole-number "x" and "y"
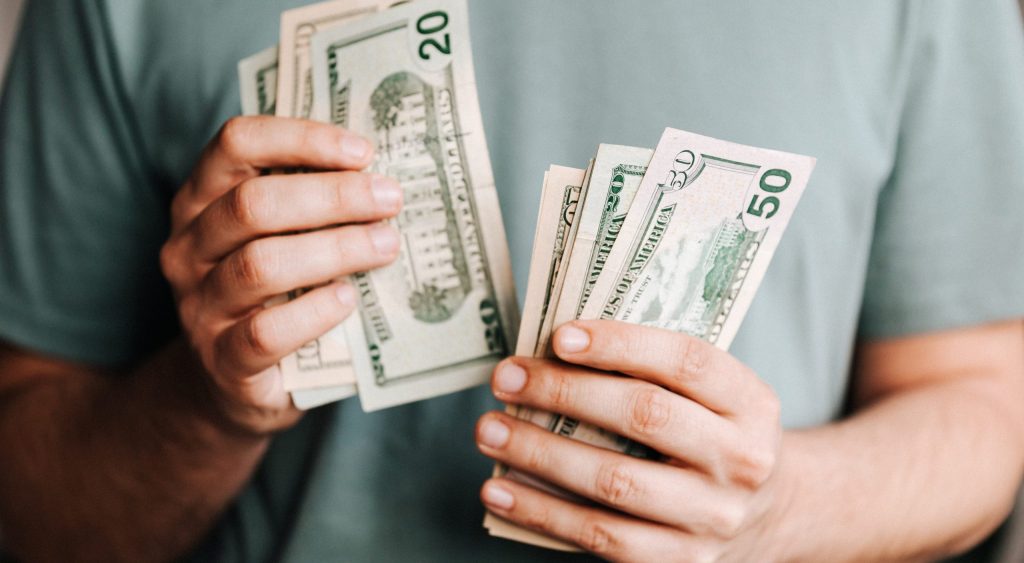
{"x": 930, "y": 462}
{"x": 103, "y": 467}
{"x": 137, "y": 465}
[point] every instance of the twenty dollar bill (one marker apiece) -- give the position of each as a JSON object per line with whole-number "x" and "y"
{"x": 258, "y": 87}
{"x": 295, "y": 90}
{"x": 440, "y": 317}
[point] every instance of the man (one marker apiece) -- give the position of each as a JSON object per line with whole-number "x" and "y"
{"x": 143, "y": 421}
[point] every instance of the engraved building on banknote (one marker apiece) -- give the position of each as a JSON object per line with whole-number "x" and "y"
{"x": 434, "y": 267}
{"x": 695, "y": 299}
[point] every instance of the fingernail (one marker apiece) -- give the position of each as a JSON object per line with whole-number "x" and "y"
{"x": 346, "y": 295}
{"x": 497, "y": 497}
{"x": 384, "y": 238}
{"x": 387, "y": 193}
{"x": 572, "y": 339}
{"x": 493, "y": 434}
{"x": 355, "y": 147}
{"x": 510, "y": 378}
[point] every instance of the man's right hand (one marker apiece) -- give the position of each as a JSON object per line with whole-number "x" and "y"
{"x": 239, "y": 238}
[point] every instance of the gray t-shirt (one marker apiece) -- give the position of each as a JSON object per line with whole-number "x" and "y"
{"x": 911, "y": 222}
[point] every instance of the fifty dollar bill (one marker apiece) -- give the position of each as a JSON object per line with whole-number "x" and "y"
{"x": 689, "y": 257}
{"x": 612, "y": 185}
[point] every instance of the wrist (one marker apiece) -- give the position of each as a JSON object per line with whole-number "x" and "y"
{"x": 217, "y": 413}
{"x": 783, "y": 532}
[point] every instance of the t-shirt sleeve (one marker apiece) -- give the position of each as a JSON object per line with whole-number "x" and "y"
{"x": 81, "y": 221}
{"x": 949, "y": 234}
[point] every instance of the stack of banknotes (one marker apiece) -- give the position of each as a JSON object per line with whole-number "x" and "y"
{"x": 441, "y": 317}
{"x": 678, "y": 237}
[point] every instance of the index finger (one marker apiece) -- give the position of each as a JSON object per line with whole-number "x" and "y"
{"x": 245, "y": 146}
{"x": 678, "y": 362}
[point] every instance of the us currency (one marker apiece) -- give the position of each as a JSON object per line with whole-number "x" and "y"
{"x": 560, "y": 197}
{"x": 560, "y": 200}
{"x": 568, "y": 226}
{"x": 323, "y": 364}
{"x": 533, "y": 302}
{"x": 257, "y": 78}
{"x": 294, "y": 92}
{"x": 440, "y": 317}
{"x": 708, "y": 218}
{"x": 306, "y": 399}
{"x": 564, "y": 191}
{"x": 691, "y": 253}
{"x": 258, "y": 85}
{"x": 613, "y": 183}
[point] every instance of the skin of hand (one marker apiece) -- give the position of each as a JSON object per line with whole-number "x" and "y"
{"x": 714, "y": 421}
{"x": 160, "y": 448}
{"x": 240, "y": 237}
{"x": 732, "y": 485}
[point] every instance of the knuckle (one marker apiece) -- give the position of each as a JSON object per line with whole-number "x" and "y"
{"x": 628, "y": 344}
{"x": 258, "y": 334}
{"x": 319, "y": 138}
{"x": 769, "y": 402}
{"x": 538, "y": 459}
{"x": 752, "y": 467}
{"x": 350, "y": 191}
{"x": 327, "y": 312}
{"x": 538, "y": 518}
{"x": 234, "y": 134}
{"x": 649, "y": 411}
{"x": 560, "y": 392}
{"x": 170, "y": 262}
{"x": 692, "y": 359}
{"x": 616, "y": 486}
{"x": 704, "y": 553}
{"x": 352, "y": 247}
{"x": 253, "y": 266}
{"x": 337, "y": 197}
{"x": 248, "y": 204}
{"x": 596, "y": 537}
{"x": 726, "y": 519}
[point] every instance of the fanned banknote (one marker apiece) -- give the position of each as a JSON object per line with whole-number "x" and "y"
{"x": 258, "y": 88}
{"x": 439, "y": 318}
{"x": 294, "y": 93}
{"x": 560, "y": 197}
{"x": 322, "y": 366}
{"x": 257, "y": 79}
{"x": 611, "y": 183}
{"x": 611, "y": 187}
{"x": 567, "y": 227}
{"x": 699, "y": 236}
{"x": 689, "y": 256}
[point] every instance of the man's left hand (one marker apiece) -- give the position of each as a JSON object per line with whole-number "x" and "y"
{"x": 714, "y": 421}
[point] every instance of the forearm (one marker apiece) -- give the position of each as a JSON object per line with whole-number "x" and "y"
{"x": 924, "y": 473}
{"x": 117, "y": 468}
